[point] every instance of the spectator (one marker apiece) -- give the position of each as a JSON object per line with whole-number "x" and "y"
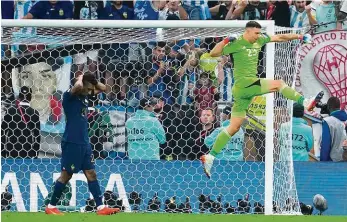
{"x": 333, "y": 133}
{"x": 145, "y": 132}
{"x": 204, "y": 129}
{"x": 21, "y": 8}
{"x": 281, "y": 13}
{"x": 116, "y": 10}
{"x": 220, "y": 11}
{"x": 205, "y": 93}
{"x": 194, "y": 9}
{"x": 342, "y": 15}
{"x": 6, "y": 200}
{"x": 21, "y": 129}
{"x": 188, "y": 73}
{"x": 113, "y": 55}
{"x": 224, "y": 74}
{"x": 302, "y": 136}
{"x": 173, "y": 11}
{"x": 86, "y": 10}
{"x": 325, "y": 13}
{"x": 298, "y": 15}
{"x": 7, "y": 9}
{"x": 234, "y": 148}
{"x": 51, "y": 10}
{"x": 7, "y": 12}
{"x": 46, "y": 100}
{"x": 162, "y": 76}
{"x": 147, "y": 10}
{"x": 249, "y": 10}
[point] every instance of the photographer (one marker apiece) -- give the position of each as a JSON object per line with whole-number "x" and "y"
{"x": 145, "y": 132}
{"x": 162, "y": 76}
{"x": 333, "y": 132}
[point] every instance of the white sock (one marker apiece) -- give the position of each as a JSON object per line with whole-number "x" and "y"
{"x": 51, "y": 206}
{"x": 100, "y": 207}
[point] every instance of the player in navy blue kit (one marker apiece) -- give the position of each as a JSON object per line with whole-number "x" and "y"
{"x": 76, "y": 150}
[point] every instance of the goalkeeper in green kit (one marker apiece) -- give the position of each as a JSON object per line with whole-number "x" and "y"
{"x": 245, "y": 50}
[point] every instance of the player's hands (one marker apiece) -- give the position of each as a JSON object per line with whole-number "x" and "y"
{"x": 230, "y": 38}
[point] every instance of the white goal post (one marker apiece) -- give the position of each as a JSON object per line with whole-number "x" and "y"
{"x": 269, "y": 28}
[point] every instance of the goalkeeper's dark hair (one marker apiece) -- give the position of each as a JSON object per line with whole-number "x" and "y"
{"x": 89, "y": 78}
{"x": 253, "y": 24}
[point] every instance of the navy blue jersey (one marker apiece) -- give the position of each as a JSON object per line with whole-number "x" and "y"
{"x": 112, "y": 13}
{"x": 76, "y": 109}
{"x": 46, "y": 10}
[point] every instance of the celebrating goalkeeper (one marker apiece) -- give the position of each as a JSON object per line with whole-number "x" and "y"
{"x": 245, "y": 50}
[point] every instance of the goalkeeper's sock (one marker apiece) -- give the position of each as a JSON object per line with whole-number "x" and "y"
{"x": 222, "y": 139}
{"x": 57, "y": 192}
{"x": 291, "y": 94}
{"x": 94, "y": 188}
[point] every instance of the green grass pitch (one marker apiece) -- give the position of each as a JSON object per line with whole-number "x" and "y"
{"x": 163, "y": 217}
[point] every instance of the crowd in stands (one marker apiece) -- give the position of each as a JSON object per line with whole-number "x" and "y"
{"x": 187, "y": 84}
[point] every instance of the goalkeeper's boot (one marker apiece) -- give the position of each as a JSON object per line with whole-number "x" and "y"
{"x": 207, "y": 162}
{"x": 107, "y": 211}
{"x": 53, "y": 211}
{"x": 310, "y": 104}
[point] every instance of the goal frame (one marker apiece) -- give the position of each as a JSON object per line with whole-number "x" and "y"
{"x": 270, "y": 66}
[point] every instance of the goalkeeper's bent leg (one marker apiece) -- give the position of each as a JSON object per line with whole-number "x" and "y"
{"x": 225, "y": 135}
{"x": 290, "y": 93}
{"x": 221, "y": 140}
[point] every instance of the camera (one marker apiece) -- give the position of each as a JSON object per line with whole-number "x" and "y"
{"x": 170, "y": 205}
{"x": 6, "y": 200}
{"x": 229, "y": 209}
{"x": 135, "y": 198}
{"x": 258, "y": 208}
{"x": 217, "y": 207}
{"x": 112, "y": 200}
{"x": 205, "y": 203}
{"x": 185, "y": 207}
{"x": 306, "y": 209}
{"x": 90, "y": 205}
{"x": 323, "y": 107}
{"x": 243, "y": 206}
{"x": 154, "y": 204}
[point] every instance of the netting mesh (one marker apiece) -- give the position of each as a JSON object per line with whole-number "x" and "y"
{"x": 193, "y": 89}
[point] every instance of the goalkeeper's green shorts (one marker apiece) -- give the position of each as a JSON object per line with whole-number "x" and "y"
{"x": 243, "y": 92}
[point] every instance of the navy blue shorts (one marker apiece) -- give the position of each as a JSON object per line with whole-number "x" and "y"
{"x": 76, "y": 157}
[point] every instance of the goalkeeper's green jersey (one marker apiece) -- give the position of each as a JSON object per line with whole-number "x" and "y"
{"x": 246, "y": 55}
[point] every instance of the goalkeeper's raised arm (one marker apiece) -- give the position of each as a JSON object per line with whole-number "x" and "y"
{"x": 288, "y": 37}
{"x": 252, "y": 37}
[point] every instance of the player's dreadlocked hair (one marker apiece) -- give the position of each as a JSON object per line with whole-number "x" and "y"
{"x": 90, "y": 78}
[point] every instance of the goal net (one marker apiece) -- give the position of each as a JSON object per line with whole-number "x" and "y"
{"x": 192, "y": 93}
